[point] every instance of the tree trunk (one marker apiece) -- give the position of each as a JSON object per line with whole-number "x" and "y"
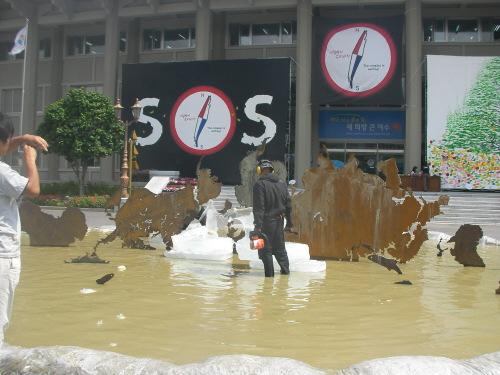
{"x": 80, "y": 169}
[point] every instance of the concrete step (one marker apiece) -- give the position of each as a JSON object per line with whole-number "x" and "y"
{"x": 467, "y": 207}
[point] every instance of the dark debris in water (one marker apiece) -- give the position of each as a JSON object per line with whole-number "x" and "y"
{"x": 87, "y": 259}
{"x": 404, "y": 282}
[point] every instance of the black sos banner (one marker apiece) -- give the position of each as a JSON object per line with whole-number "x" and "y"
{"x": 215, "y": 111}
{"x": 357, "y": 61}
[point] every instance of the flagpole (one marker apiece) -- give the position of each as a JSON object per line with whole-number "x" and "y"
{"x": 23, "y": 81}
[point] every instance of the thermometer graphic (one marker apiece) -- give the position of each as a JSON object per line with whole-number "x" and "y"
{"x": 202, "y": 119}
{"x": 357, "y": 55}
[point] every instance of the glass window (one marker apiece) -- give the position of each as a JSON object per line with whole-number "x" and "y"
{"x": 193, "y": 38}
{"x": 496, "y": 29}
{"x": 360, "y": 145}
{"x": 490, "y": 30}
{"x": 234, "y": 34}
{"x": 245, "y": 35}
{"x": 94, "y": 44}
{"x": 5, "y": 47}
{"x": 95, "y": 162}
{"x": 176, "y": 38}
{"x": 12, "y": 100}
{"x": 434, "y": 30}
{"x": 39, "y": 99}
{"x": 123, "y": 41}
{"x": 391, "y": 146}
{"x": 74, "y": 45}
{"x": 152, "y": 39}
{"x": 486, "y": 30}
{"x": 44, "y": 49}
{"x": 262, "y": 34}
{"x": 267, "y": 33}
{"x": 286, "y": 33}
{"x": 463, "y": 30}
{"x": 91, "y": 88}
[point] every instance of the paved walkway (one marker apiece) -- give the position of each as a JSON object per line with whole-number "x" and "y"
{"x": 96, "y": 218}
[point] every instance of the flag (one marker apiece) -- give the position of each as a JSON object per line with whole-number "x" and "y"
{"x": 19, "y": 42}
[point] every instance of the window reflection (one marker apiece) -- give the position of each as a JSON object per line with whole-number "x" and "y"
{"x": 463, "y": 31}
{"x": 151, "y": 39}
{"x": 265, "y": 34}
{"x": 154, "y": 39}
{"x": 262, "y": 34}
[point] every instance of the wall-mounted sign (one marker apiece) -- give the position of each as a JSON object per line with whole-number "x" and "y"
{"x": 361, "y": 124}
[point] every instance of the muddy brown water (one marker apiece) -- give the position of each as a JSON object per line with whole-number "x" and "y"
{"x": 184, "y": 311}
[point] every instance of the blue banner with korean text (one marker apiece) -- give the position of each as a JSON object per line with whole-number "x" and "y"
{"x": 361, "y": 124}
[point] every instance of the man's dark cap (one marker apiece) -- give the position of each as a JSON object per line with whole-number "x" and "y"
{"x": 264, "y": 163}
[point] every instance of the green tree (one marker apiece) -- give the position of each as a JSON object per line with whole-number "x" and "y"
{"x": 81, "y": 127}
{"x": 475, "y": 126}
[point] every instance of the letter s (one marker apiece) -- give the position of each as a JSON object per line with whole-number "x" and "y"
{"x": 270, "y": 126}
{"x": 156, "y": 127}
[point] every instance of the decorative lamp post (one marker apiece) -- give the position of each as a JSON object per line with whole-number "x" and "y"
{"x": 136, "y": 112}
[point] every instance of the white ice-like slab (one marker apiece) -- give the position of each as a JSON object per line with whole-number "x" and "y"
{"x": 298, "y": 256}
{"x": 199, "y": 243}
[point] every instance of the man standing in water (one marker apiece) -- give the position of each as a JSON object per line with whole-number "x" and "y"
{"x": 271, "y": 204}
{"x": 12, "y": 186}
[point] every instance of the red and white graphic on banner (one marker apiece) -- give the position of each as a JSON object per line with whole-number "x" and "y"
{"x": 358, "y": 59}
{"x": 202, "y": 120}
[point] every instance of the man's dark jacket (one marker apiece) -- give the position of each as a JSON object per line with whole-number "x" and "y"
{"x": 271, "y": 198}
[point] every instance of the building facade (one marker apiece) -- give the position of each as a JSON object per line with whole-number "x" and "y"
{"x": 83, "y": 43}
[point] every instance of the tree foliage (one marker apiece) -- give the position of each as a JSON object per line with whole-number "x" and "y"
{"x": 475, "y": 126}
{"x": 81, "y": 127}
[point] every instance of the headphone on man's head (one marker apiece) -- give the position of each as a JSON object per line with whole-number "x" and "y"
{"x": 264, "y": 163}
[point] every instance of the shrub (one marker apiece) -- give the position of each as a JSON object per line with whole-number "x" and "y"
{"x": 87, "y": 201}
{"x": 70, "y": 188}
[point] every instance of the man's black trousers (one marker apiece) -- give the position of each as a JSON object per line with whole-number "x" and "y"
{"x": 273, "y": 229}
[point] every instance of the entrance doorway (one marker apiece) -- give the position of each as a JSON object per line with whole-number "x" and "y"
{"x": 368, "y": 154}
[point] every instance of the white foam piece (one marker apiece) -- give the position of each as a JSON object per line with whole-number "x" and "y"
{"x": 87, "y": 291}
{"x": 199, "y": 243}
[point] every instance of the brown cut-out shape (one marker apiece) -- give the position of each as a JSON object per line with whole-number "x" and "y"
{"x": 341, "y": 208}
{"x": 208, "y": 188}
{"x": 390, "y": 264}
{"x": 440, "y": 249}
{"x": 105, "y": 278}
{"x": 497, "y": 291}
{"x": 47, "y": 230}
{"x": 248, "y": 173}
{"x": 227, "y": 206}
{"x": 235, "y": 233}
{"x": 145, "y": 213}
{"x": 93, "y": 258}
{"x": 113, "y": 201}
{"x": 466, "y": 240}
